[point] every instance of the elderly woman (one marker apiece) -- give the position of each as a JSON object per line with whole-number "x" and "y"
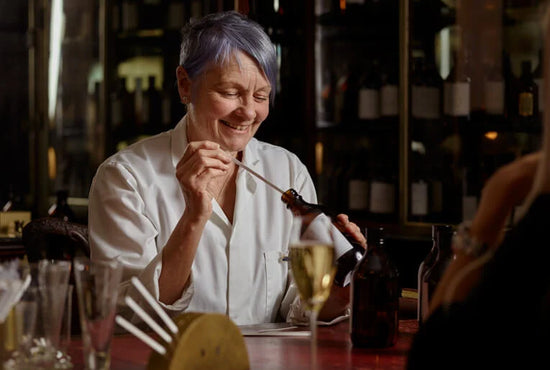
{"x": 174, "y": 209}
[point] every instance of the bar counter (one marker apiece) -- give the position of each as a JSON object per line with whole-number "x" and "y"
{"x": 334, "y": 351}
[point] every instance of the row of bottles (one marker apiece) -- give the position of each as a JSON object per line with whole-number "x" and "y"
{"x": 132, "y": 15}
{"x": 142, "y": 112}
{"x": 353, "y": 94}
{"x": 362, "y": 181}
{"x": 509, "y": 101}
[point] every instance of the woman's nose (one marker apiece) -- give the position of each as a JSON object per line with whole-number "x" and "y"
{"x": 247, "y": 108}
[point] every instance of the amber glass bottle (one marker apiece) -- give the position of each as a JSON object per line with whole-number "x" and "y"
{"x": 375, "y": 296}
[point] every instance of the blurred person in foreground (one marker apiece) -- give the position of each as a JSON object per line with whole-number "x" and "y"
{"x": 200, "y": 233}
{"x": 491, "y": 309}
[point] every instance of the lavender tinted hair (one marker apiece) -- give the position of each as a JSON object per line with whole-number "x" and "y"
{"x": 217, "y": 36}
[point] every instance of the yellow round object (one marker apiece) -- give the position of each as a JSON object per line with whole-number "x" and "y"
{"x": 206, "y": 341}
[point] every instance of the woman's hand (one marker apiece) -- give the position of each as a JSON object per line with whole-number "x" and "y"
{"x": 349, "y": 228}
{"x": 201, "y": 165}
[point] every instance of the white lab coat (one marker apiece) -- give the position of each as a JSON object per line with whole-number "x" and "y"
{"x": 135, "y": 202}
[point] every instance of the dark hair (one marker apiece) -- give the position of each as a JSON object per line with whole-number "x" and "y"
{"x": 216, "y": 37}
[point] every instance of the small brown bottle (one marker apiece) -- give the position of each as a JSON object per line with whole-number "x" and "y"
{"x": 346, "y": 262}
{"x": 375, "y": 296}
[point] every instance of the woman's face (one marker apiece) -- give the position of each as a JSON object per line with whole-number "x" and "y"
{"x": 228, "y": 103}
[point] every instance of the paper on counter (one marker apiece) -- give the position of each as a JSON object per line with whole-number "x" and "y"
{"x": 274, "y": 330}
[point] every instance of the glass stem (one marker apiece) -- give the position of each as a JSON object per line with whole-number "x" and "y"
{"x": 313, "y": 329}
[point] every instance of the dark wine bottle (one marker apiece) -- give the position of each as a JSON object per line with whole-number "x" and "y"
{"x": 346, "y": 262}
{"x": 375, "y": 296}
{"x": 527, "y": 97}
{"x": 61, "y": 208}
{"x": 426, "y": 265}
{"x": 432, "y": 276}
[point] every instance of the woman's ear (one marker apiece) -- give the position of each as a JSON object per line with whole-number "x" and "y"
{"x": 184, "y": 85}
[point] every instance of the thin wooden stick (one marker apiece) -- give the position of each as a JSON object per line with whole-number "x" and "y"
{"x": 140, "y": 335}
{"x": 158, "y": 309}
{"x": 148, "y": 320}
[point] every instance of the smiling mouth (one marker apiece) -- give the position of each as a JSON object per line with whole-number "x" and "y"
{"x": 234, "y": 127}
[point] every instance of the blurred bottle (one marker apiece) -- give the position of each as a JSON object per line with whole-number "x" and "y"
{"x": 151, "y": 109}
{"x": 389, "y": 94}
{"x": 471, "y": 190}
{"x": 425, "y": 266}
{"x": 383, "y": 190}
{"x": 14, "y": 201}
{"x": 130, "y": 15}
{"x": 539, "y": 80}
{"x": 122, "y": 112}
{"x": 494, "y": 94}
{"x": 369, "y": 94}
{"x": 61, "y": 208}
{"x": 433, "y": 274}
{"x": 527, "y": 97}
{"x": 375, "y": 296}
{"x": 456, "y": 91}
{"x": 419, "y": 187}
{"x": 139, "y": 112}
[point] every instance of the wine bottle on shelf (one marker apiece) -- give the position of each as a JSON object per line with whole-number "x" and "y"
{"x": 494, "y": 93}
{"x": 419, "y": 187}
{"x": 358, "y": 182}
{"x": 422, "y": 302}
{"x": 471, "y": 189}
{"x": 432, "y": 275}
{"x": 369, "y": 94}
{"x": 151, "y": 108}
{"x": 389, "y": 94}
{"x": 130, "y": 15}
{"x": 539, "y": 80}
{"x": 122, "y": 113}
{"x": 383, "y": 191}
{"x": 344, "y": 263}
{"x": 61, "y": 208}
{"x": 139, "y": 107}
{"x": 456, "y": 91}
{"x": 375, "y": 296}
{"x": 527, "y": 97}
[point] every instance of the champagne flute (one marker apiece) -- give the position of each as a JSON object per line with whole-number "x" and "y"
{"x": 312, "y": 262}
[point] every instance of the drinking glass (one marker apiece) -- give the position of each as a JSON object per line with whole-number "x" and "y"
{"x": 312, "y": 262}
{"x": 97, "y": 290}
{"x": 53, "y": 282}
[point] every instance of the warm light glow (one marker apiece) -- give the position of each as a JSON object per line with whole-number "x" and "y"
{"x": 57, "y": 26}
{"x": 318, "y": 158}
{"x": 52, "y": 167}
{"x": 491, "y": 135}
{"x": 342, "y": 5}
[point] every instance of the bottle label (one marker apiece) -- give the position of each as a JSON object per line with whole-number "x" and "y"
{"x": 419, "y": 198}
{"x": 539, "y": 82}
{"x": 389, "y": 100}
{"x": 494, "y": 97}
{"x": 456, "y": 99}
{"x": 425, "y": 102}
{"x": 382, "y": 197}
{"x": 369, "y": 104}
{"x": 358, "y": 194}
{"x": 525, "y": 104}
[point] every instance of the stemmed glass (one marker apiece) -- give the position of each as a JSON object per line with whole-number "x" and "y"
{"x": 312, "y": 262}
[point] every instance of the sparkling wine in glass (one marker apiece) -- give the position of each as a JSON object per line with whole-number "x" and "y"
{"x": 312, "y": 261}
